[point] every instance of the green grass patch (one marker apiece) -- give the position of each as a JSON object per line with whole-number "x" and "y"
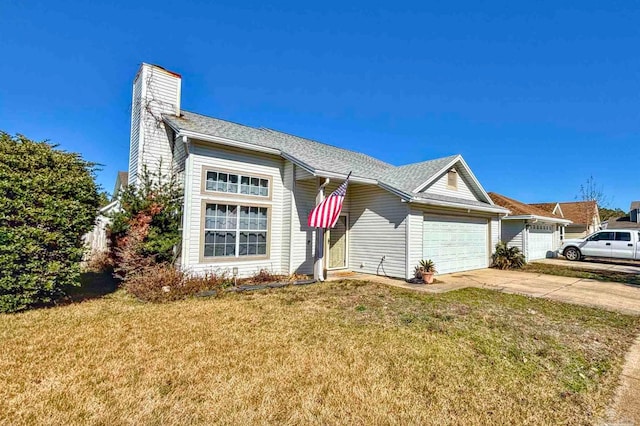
{"x": 578, "y": 272}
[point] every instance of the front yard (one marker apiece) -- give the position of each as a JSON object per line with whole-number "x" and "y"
{"x": 345, "y": 352}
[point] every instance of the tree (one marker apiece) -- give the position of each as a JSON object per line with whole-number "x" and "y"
{"x": 146, "y": 229}
{"x": 591, "y": 191}
{"x": 48, "y": 201}
{"x": 606, "y": 214}
{"x": 105, "y": 198}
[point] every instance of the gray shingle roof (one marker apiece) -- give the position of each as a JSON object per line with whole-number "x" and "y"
{"x": 635, "y": 205}
{"x": 409, "y": 177}
{"x": 321, "y": 156}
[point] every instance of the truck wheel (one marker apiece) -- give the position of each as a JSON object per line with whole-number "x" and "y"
{"x": 572, "y": 254}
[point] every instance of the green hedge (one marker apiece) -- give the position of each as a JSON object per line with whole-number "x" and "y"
{"x": 48, "y": 201}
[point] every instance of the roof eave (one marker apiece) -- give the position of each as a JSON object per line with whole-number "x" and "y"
{"x": 536, "y": 217}
{"x": 439, "y": 203}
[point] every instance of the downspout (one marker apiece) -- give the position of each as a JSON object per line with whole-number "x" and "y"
{"x": 525, "y": 241}
{"x": 318, "y": 270}
{"x": 186, "y": 206}
{"x": 407, "y": 241}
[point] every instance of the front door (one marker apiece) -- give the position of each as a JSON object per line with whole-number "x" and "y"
{"x": 337, "y": 253}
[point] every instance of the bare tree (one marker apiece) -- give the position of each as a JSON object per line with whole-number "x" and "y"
{"x": 591, "y": 191}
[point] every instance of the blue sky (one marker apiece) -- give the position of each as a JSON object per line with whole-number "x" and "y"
{"x": 537, "y": 96}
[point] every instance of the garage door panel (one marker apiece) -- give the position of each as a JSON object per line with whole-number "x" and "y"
{"x": 455, "y": 243}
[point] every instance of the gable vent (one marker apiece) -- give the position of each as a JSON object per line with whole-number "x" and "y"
{"x": 452, "y": 179}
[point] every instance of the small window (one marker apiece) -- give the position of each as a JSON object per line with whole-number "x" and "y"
{"x": 452, "y": 179}
{"x": 623, "y": 236}
{"x": 236, "y": 184}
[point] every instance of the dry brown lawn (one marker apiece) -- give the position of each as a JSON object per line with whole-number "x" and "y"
{"x": 345, "y": 352}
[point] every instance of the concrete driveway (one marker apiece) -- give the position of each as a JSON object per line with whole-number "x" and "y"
{"x": 618, "y": 265}
{"x": 607, "y": 295}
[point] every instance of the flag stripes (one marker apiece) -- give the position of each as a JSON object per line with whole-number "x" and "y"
{"x": 325, "y": 214}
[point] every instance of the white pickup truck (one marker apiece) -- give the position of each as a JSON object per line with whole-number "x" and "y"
{"x": 616, "y": 243}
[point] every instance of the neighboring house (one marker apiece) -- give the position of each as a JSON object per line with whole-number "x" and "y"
{"x": 121, "y": 181}
{"x": 583, "y": 214}
{"x": 630, "y": 221}
{"x": 248, "y": 192}
{"x": 634, "y": 212}
{"x": 96, "y": 240}
{"x": 535, "y": 231}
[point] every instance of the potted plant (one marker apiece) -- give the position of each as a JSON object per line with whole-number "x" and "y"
{"x": 425, "y": 270}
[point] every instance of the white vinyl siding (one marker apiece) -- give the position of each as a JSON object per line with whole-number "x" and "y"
{"x": 513, "y": 233}
{"x": 134, "y": 142}
{"x": 495, "y": 233}
{"x": 287, "y": 214}
{"x": 155, "y": 92}
{"x": 377, "y": 231}
{"x": 441, "y": 187}
{"x": 302, "y": 236}
{"x": 416, "y": 221}
{"x": 205, "y": 157}
{"x": 455, "y": 243}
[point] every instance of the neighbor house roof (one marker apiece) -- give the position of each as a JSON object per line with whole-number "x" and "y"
{"x": 330, "y": 161}
{"x": 635, "y": 205}
{"x": 521, "y": 210}
{"x": 122, "y": 180}
{"x": 622, "y": 223}
{"x": 548, "y": 207}
{"x": 579, "y": 212}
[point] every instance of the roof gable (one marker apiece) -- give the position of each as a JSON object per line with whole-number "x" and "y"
{"x": 580, "y": 212}
{"x": 521, "y": 209}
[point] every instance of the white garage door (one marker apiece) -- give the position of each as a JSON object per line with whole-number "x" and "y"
{"x": 455, "y": 244}
{"x": 540, "y": 241}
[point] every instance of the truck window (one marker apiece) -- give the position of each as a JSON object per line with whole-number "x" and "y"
{"x": 602, "y": 236}
{"x": 623, "y": 236}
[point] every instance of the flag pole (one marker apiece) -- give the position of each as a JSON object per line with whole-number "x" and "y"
{"x": 318, "y": 270}
{"x": 328, "y": 215}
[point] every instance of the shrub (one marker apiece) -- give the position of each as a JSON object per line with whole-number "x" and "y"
{"x": 264, "y": 276}
{"x": 48, "y": 201}
{"x": 99, "y": 262}
{"x": 146, "y": 230}
{"x": 163, "y": 283}
{"x": 507, "y": 257}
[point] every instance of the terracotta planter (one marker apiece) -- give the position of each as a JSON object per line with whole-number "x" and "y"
{"x": 427, "y": 277}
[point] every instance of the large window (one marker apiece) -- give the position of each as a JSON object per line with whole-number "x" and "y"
{"x": 235, "y": 230}
{"x": 237, "y": 183}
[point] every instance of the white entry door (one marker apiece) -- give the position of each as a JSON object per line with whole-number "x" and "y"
{"x": 540, "y": 241}
{"x": 455, "y": 243}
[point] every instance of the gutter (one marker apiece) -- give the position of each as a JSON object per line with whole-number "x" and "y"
{"x": 540, "y": 218}
{"x": 229, "y": 142}
{"x": 437, "y": 203}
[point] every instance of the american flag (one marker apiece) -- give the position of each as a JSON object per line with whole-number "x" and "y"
{"x": 325, "y": 214}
